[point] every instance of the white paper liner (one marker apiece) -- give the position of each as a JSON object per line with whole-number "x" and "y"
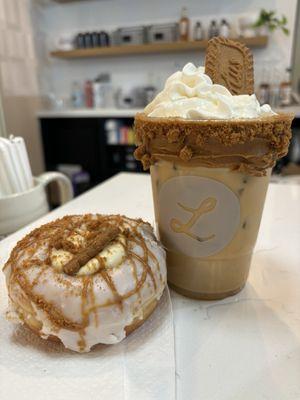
{"x": 140, "y": 367}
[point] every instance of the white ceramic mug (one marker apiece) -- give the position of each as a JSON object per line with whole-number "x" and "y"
{"x": 19, "y": 209}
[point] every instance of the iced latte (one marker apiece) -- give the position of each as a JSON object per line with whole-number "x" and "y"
{"x": 210, "y": 152}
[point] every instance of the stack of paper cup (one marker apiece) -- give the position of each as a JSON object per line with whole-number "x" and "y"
{"x": 15, "y": 171}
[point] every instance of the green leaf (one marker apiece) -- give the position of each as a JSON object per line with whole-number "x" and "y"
{"x": 258, "y": 24}
{"x": 271, "y": 21}
{"x": 286, "y": 31}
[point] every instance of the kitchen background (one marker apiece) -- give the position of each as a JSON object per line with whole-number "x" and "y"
{"x": 75, "y": 108}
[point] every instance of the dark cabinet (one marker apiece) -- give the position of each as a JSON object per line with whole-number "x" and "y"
{"x": 83, "y": 141}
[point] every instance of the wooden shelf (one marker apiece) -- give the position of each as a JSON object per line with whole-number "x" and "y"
{"x": 115, "y": 51}
{"x": 65, "y": 1}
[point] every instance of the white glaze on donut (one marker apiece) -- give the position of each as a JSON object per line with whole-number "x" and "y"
{"x": 95, "y": 305}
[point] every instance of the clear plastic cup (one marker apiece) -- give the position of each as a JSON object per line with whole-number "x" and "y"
{"x": 208, "y": 220}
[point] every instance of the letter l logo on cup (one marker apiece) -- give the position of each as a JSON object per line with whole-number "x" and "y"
{"x": 198, "y": 216}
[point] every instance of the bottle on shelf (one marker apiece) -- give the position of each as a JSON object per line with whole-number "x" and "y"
{"x": 131, "y": 136}
{"x": 87, "y": 40}
{"x": 95, "y": 39}
{"x": 286, "y": 89}
{"x": 112, "y": 131}
{"x": 198, "y": 31}
{"x": 149, "y": 89}
{"x": 124, "y": 135}
{"x": 275, "y": 87}
{"x": 103, "y": 94}
{"x": 88, "y": 94}
{"x": 264, "y": 87}
{"x": 79, "y": 41}
{"x": 184, "y": 25}
{"x": 213, "y": 29}
{"x": 76, "y": 95}
{"x": 104, "y": 40}
{"x": 117, "y": 134}
{"x": 224, "y": 28}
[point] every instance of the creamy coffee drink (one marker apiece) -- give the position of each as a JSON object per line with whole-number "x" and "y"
{"x": 210, "y": 228}
{"x": 210, "y": 154}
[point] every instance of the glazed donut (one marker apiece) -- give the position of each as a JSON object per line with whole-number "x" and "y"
{"x": 86, "y": 279}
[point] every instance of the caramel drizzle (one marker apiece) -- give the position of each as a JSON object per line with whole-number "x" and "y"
{"x": 81, "y": 341}
{"x": 147, "y": 268}
{"x": 124, "y": 296}
{"x": 54, "y": 233}
{"x": 101, "y": 263}
{"x": 39, "y": 275}
{"x": 55, "y": 315}
{"x": 113, "y": 288}
{"x": 154, "y": 259}
{"x": 140, "y": 241}
{"x": 85, "y": 316}
{"x": 135, "y": 276}
{"x": 93, "y": 302}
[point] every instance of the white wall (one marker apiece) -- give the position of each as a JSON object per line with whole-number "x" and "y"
{"x": 57, "y": 75}
{"x": 18, "y": 76}
{"x": 18, "y": 63}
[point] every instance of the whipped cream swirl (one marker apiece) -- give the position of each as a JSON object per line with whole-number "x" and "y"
{"x": 191, "y": 94}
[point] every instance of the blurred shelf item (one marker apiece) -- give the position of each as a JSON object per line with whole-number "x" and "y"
{"x": 89, "y": 113}
{"x": 65, "y": 1}
{"x": 290, "y": 109}
{"x": 174, "y": 47}
{"x": 118, "y": 134}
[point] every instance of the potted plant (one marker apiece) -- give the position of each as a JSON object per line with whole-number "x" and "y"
{"x": 268, "y": 22}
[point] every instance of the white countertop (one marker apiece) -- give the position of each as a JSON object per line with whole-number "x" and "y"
{"x": 88, "y": 113}
{"x": 246, "y": 347}
{"x": 115, "y": 112}
{"x": 290, "y": 109}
